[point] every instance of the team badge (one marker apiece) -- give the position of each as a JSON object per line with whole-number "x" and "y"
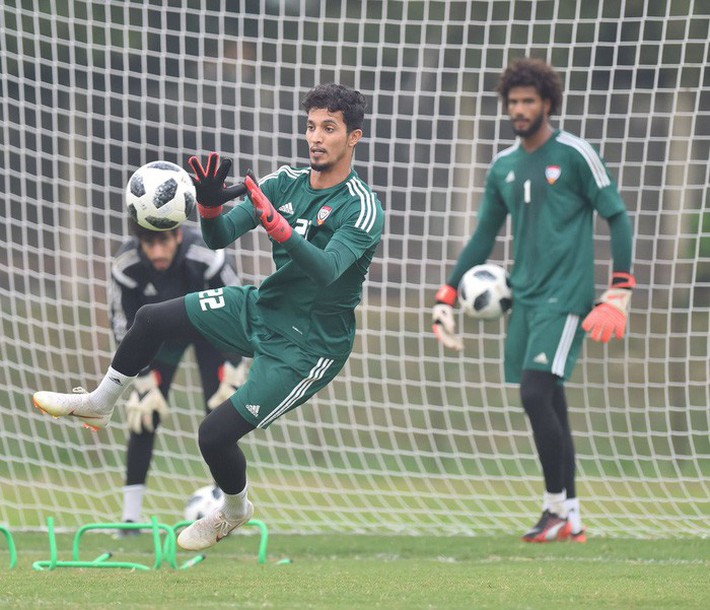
{"x": 552, "y": 173}
{"x": 323, "y": 214}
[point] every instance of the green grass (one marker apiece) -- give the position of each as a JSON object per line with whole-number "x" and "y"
{"x": 369, "y": 572}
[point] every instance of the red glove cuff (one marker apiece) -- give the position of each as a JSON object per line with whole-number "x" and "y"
{"x": 206, "y": 212}
{"x": 220, "y": 373}
{"x": 154, "y": 372}
{"x": 280, "y": 231}
{"x": 447, "y": 295}
{"x": 276, "y": 226}
{"x": 619, "y": 279}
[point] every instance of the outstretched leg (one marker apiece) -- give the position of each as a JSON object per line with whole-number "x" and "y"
{"x": 152, "y": 326}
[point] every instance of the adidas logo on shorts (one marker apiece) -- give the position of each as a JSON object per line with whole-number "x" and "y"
{"x": 253, "y": 409}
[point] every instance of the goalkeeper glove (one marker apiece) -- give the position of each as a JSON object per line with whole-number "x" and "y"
{"x": 209, "y": 185}
{"x": 145, "y": 401}
{"x": 443, "y": 321}
{"x": 608, "y": 318}
{"x": 276, "y": 226}
{"x": 231, "y": 379}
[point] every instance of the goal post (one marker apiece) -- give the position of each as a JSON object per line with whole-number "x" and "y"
{"x": 408, "y": 439}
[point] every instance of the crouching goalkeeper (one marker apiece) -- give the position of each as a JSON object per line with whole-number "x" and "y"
{"x": 151, "y": 267}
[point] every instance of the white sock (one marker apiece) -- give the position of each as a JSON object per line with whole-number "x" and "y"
{"x": 573, "y": 514}
{"x": 555, "y": 503}
{"x": 235, "y": 505}
{"x": 110, "y": 389}
{"x": 133, "y": 502}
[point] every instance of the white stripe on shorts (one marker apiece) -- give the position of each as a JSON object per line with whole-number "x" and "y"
{"x": 563, "y": 347}
{"x": 297, "y": 393}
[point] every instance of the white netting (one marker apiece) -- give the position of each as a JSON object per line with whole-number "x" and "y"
{"x": 407, "y": 439}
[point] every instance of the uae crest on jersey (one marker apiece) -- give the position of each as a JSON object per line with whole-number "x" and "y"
{"x": 323, "y": 214}
{"x": 552, "y": 173}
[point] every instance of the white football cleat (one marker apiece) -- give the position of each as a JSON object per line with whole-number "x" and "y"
{"x": 209, "y": 530}
{"x": 78, "y": 404}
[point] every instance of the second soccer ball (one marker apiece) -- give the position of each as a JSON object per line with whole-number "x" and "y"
{"x": 203, "y": 501}
{"x": 484, "y": 292}
{"x": 160, "y": 196}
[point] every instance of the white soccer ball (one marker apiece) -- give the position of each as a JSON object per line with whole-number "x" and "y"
{"x": 484, "y": 292}
{"x": 160, "y": 196}
{"x": 203, "y": 501}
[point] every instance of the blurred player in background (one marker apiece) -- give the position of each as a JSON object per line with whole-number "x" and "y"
{"x": 151, "y": 267}
{"x": 551, "y": 183}
{"x": 325, "y": 224}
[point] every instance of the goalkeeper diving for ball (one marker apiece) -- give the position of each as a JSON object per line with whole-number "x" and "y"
{"x": 551, "y": 183}
{"x": 325, "y": 225}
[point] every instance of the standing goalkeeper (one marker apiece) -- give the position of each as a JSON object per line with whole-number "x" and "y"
{"x": 151, "y": 267}
{"x": 551, "y": 183}
{"x": 325, "y": 224}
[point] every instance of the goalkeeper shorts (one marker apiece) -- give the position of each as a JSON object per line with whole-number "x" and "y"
{"x": 540, "y": 339}
{"x": 282, "y": 375}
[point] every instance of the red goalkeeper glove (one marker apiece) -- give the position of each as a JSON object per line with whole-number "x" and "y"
{"x": 276, "y": 226}
{"x": 209, "y": 185}
{"x": 608, "y": 318}
{"x": 443, "y": 321}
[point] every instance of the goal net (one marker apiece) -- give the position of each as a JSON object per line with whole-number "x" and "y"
{"x": 409, "y": 439}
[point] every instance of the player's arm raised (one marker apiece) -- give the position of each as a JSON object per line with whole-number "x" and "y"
{"x": 322, "y": 266}
{"x": 277, "y": 227}
{"x": 218, "y": 229}
{"x": 211, "y": 191}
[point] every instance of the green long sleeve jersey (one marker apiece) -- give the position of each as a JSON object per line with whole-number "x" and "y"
{"x": 551, "y": 195}
{"x": 320, "y": 270}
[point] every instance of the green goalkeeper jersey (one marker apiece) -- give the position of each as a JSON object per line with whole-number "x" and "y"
{"x": 312, "y": 294}
{"x": 551, "y": 195}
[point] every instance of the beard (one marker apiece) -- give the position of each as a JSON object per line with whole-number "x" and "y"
{"x": 320, "y": 167}
{"x": 532, "y": 129}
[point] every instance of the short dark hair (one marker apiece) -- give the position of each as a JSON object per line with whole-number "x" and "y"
{"x": 531, "y": 72}
{"x": 140, "y": 232}
{"x": 336, "y": 98}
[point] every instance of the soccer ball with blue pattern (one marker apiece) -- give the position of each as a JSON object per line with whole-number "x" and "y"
{"x": 484, "y": 292}
{"x": 160, "y": 196}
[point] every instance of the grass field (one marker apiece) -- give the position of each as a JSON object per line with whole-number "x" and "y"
{"x": 368, "y": 572}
